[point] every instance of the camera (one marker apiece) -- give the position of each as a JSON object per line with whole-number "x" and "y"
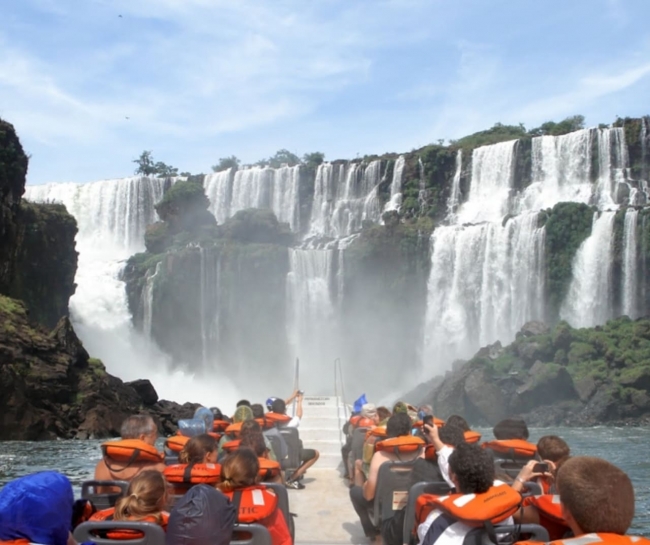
{"x": 301, "y": 392}
{"x": 542, "y": 467}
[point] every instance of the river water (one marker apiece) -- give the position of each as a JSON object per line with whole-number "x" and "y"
{"x": 625, "y": 447}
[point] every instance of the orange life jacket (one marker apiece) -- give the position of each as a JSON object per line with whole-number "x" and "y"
{"x": 193, "y": 473}
{"x": 269, "y": 469}
{"x": 175, "y": 443}
{"x": 233, "y": 430}
{"x": 277, "y": 418}
{"x": 495, "y": 505}
{"x": 472, "y": 436}
{"x": 512, "y": 448}
{"x": 264, "y": 423}
{"x": 378, "y": 431}
{"x": 231, "y": 446}
{"x": 401, "y": 445}
{"x": 436, "y": 422}
{"x": 21, "y": 541}
{"x": 215, "y": 436}
{"x": 549, "y": 510}
{"x": 124, "y": 534}
{"x": 253, "y": 503}
{"x": 608, "y": 539}
{"x": 128, "y": 451}
{"x": 219, "y": 426}
{"x": 359, "y": 421}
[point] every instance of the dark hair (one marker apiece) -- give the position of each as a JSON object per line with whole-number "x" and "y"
{"x": 255, "y": 442}
{"x": 511, "y": 428}
{"x": 196, "y": 448}
{"x": 258, "y": 410}
{"x": 458, "y": 421}
{"x": 383, "y": 413}
{"x": 399, "y": 424}
{"x": 473, "y": 467}
{"x": 451, "y": 435}
{"x": 599, "y": 495}
{"x": 216, "y": 412}
{"x": 249, "y": 426}
{"x": 279, "y": 406}
{"x": 243, "y": 402}
{"x": 553, "y": 448}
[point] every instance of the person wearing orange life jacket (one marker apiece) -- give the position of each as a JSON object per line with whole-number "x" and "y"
{"x": 197, "y": 464}
{"x": 252, "y": 438}
{"x": 597, "y": 501}
{"x": 511, "y": 440}
{"x": 444, "y": 440}
{"x": 554, "y": 449}
{"x": 145, "y": 501}
{"x": 271, "y": 434}
{"x": 242, "y": 413}
{"x": 479, "y": 498}
{"x": 123, "y": 460}
{"x": 398, "y": 429}
{"x": 254, "y": 503}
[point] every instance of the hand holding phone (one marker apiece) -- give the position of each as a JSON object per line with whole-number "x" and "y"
{"x": 541, "y": 467}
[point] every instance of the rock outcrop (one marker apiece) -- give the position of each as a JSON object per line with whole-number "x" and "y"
{"x": 50, "y": 388}
{"x": 550, "y": 377}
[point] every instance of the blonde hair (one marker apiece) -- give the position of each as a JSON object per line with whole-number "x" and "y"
{"x": 146, "y": 497}
{"x": 239, "y": 470}
{"x": 195, "y": 449}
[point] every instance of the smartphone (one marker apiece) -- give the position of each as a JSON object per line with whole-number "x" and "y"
{"x": 541, "y": 467}
{"x": 427, "y": 420}
{"x": 301, "y": 392}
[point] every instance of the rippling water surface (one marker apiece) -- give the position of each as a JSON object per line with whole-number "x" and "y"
{"x": 625, "y": 447}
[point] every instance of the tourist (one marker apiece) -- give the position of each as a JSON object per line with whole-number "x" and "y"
{"x": 511, "y": 428}
{"x": 145, "y": 501}
{"x": 201, "y": 449}
{"x": 308, "y": 456}
{"x": 197, "y": 464}
{"x": 256, "y": 504}
{"x": 202, "y": 516}
{"x": 444, "y": 440}
{"x": 278, "y": 443}
{"x": 362, "y": 493}
{"x": 37, "y": 508}
{"x": 243, "y": 413}
{"x": 139, "y": 434}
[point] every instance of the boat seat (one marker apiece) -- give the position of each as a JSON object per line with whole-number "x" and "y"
{"x": 440, "y": 488}
{"x": 393, "y": 483}
{"x": 507, "y": 534}
{"x": 292, "y": 439}
{"x": 103, "y": 500}
{"x": 275, "y": 446}
{"x": 283, "y": 504}
{"x": 258, "y": 535}
{"x": 150, "y": 534}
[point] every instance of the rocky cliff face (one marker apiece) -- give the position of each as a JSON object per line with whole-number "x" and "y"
{"x": 50, "y": 388}
{"x": 551, "y": 377}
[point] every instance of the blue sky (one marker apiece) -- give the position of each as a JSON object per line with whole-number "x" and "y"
{"x": 204, "y": 79}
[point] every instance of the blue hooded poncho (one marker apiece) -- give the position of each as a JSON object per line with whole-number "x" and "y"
{"x": 37, "y": 507}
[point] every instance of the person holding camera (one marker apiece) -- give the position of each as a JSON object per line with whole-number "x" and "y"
{"x": 308, "y": 456}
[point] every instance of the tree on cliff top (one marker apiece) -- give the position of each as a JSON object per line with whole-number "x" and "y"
{"x": 147, "y": 166}
{"x": 226, "y": 163}
{"x": 185, "y": 207}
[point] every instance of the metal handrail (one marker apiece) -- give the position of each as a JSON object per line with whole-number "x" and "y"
{"x": 296, "y": 383}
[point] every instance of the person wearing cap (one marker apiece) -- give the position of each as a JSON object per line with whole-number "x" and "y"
{"x": 308, "y": 456}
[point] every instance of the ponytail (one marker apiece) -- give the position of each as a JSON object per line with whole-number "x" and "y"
{"x": 146, "y": 497}
{"x": 196, "y": 449}
{"x": 239, "y": 470}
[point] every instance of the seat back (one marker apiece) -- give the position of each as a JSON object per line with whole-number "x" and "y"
{"x": 507, "y": 534}
{"x": 358, "y": 438}
{"x": 90, "y": 490}
{"x": 292, "y": 439}
{"x": 423, "y": 487}
{"x": 393, "y": 483}
{"x": 149, "y": 534}
{"x": 254, "y": 534}
{"x": 275, "y": 445}
{"x": 509, "y": 467}
{"x": 283, "y": 504}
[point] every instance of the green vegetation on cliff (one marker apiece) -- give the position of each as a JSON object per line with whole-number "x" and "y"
{"x": 567, "y": 226}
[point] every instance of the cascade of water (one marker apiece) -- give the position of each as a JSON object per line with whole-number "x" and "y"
{"x": 486, "y": 281}
{"x": 147, "y": 300}
{"x": 312, "y": 323}
{"x": 396, "y": 185}
{"x": 208, "y": 304}
{"x": 645, "y": 157}
{"x": 612, "y": 165}
{"x": 589, "y": 298}
{"x": 454, "y": 196}
{"x": 218, "y": 188}
{"x": 492, "y": 177}
{"x": 345, "y": 196}
{"x": 560, "y": 171}
{"x": 629, "y": 282}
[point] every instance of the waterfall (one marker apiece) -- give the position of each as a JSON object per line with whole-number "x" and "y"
{"x": 273, "y": 188}
{"x": 486, "y": 281}
{"x": 422, "y": 192}
{"x": 645, "y": 157}
{"x": 492, "y": 177}
{"x": 454, "y": 196}
{"x": 208, "y": 304}
{"x": 147, "y": 301}
{"x": 612, "y": 165}
{"x": 345, "y": 195}
{"x": 396, "y": 185}
{"x": 312, "y": 322}
{"x": 112, "y": 216}
{"x": 629, "y": 288}
{"x": 218, "y": 188}
{"x": 589, "y": 299}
